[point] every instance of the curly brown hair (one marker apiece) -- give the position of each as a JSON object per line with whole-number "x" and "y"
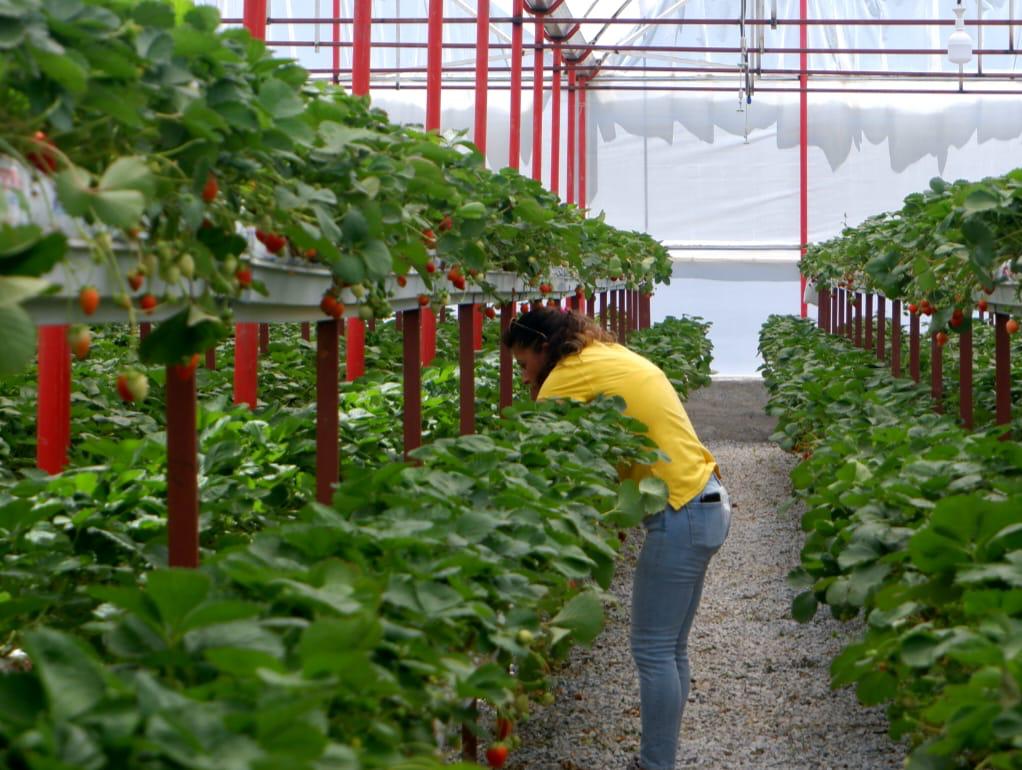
{"x": 553, "y": 332}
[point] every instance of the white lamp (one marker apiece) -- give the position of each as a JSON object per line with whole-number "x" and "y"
{"x": 959, "y": 45}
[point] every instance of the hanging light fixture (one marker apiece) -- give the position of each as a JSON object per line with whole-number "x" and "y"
{"x": 959, "y": 45}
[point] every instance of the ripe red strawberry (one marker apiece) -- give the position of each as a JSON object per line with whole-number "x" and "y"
{"x": 496, "y": 755}
{"x": 331, "y": 307}
{"x": 454, "y": 274}
{"x": 148, "y": 302}
{"x": 423, "y": 300}
{"x": 244, "y": 276}
{"x": 88, "y": 298}
{"x": 445, "y": 223}
{"x": 135, "y": 281}
{"x": 459, "y": 283}
{"x": 429, "y": 238}
{"x": 431, "y": 266}
{"x": 982, "y": 305}
{"x": 132, "y": 386}
{"x": 210, "y": 189}
{"x": 80, "y": 338}
{"x": 273, "y": 242}
{"x": 942, "y": 338}
{"x": 402, "y": 281}
{"x": 913, "y": 308}
{"x": 490, "y": 312}
{"x": 545, "y": 288}
{"x": 957, "y": 317}
{"x": 1011, "y": 326}
{"x": 580, "y": 292}
{"x": 43, "y": 156}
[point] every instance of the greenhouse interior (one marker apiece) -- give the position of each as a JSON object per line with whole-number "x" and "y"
{"x": 541, "y": 384}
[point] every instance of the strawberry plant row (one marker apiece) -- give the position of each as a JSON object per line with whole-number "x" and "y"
{"x": 912, "y": 522}
{"x": 147, "y": 129}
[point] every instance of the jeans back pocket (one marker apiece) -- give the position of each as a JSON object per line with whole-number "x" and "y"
{"x": 711, "y": 522}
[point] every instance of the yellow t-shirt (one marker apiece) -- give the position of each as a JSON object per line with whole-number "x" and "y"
{"x": 612, "y": 370}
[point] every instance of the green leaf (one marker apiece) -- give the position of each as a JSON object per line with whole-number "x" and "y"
{"x": 24, "y": 250}
{"x": 118, "y": 208}
{"x": 16, "y": 289}
{"x": 981, "y": 199}
{"x": 66, "y": 69}
{"x": 69, "y": 673}
{"x": 22, "y": 700}
{"x": 582, "y": 616}
{"x": 128, "y": 173}
{"x": 176, "y": 592}
{"x": 378, "y": 260}
{"x": 280, "y": 100}
{"x": 19, "y": 336}
{"x": 181, "y": 336}
{"x": 803, "y": 606}
{"x": 876, "y": 687}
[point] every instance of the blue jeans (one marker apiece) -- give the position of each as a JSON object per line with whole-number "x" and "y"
{"x": 665, "y": 595}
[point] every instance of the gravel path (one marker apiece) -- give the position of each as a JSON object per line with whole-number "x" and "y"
{"x": 761, "y": 695}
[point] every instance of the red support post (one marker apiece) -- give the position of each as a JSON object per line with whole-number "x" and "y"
{"x": 583, "y": 160}
{"x": 881, "y": 324}
{"x": 896, "y": 338}
{"x": 570, "y": 168}
{"x": 833, "y": 310}
{"x": 306, "y": 331}
{"x": 965, "y": 378}
{"x": 839, "y": 311}
{"x": 336, "y": 53}
{"x": 355, "y": 349}
{"x": 555, "y": 124}
{"x": 603, "y": 310}
{"x": 482, "y": 72}
{"x": 621, "y": 329}
{"x": 849, "y": 315}
{"x": 823, "y": 308}
{"x": 1002, "y": 370}
{"x": 182, "y": 468}
{"x": 467, "y": 362}
{"x": 537, "y": 102}
{"x": 427, "y": 335}
{"x": 514, "y": 144}
{"x": 913, "y": 347}
{"x": 869, "y": 321}
{"x": 477, "y": 326}
{"x": 434, "y": 62}
{"x": 327, "y": 403}
{"x": 858, "y": 319}
{"x": 936, "y": 373}
{"x": 246, "y": 363}
{"x": 412, "y": 381}
{"x": 264, "y": 339}
{"x": 507, "y": 312}
{"x": 803, "y": 140}
{"x": 144, "y": 328}
{"x": 361, "y": 50}
{"x": 254, "y": 18}
{"x": 211, "y": 359}
{"x": 645, "y": 308}
{"x": 591, "y": 306}
{"x": 53, "y": 406}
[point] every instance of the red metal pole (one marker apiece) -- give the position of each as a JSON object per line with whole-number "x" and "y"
{"x": 869, "y": 320}
{"x": 591, "y": 306}
{"x": 482, "y": 72}
{"x": 621, "y": 335}
{"x": 427, "y": 335}
{"x": 965, "y": 377}
{"x": 507, "y": 312}
{"x": 54, "y": 397}
{"x": 645, "y": 310}
{"x": 254, "y": 18}
{"x": 849, "y": 314}
{"x": 434, "y": 60}
{"x": 264, "y": 339}
{"x": 355, "y": 349}
{"x": 467, "y": 362}
{"x": 896, "y": 338}
{"x": 246, "y": 363}
{"x": 881, "y": 323}
{"x": 1002, "y": 372}
{"x": 583, "y": 160}
{"x": 182, "y": 468}
{"x": 803, "y": 141}
{"x": 336, "y": 53}
{"x": 913, "y": 347}
{"x": 823, "y": 309}
{"x": 477, "y": 326}
{"x": 555, "y": 124}
{"x": 570, "y": 169}
{"x": 327, "y": 381}
{"x": 306, "y": 331}
{"x": 936, "y": 372}
{"x": 858, "y": 319}
{"x": 514, "y": 146}
{"x": 603, "y": 309}
{"x": 143, "y": 329}
{"x": 537, "y": 102}
{"x": 412, "y": 381}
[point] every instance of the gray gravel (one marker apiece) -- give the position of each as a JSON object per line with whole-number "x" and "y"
{"x": 761, "y": 695}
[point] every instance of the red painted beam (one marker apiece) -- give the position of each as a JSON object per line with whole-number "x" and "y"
{"x": 477, "y": 326}
{"x": 913, "y": 347}
{"x": 427, "y": 335}
{"x": 254, "y": 18}
{"x": 327, "y": 403}
{"x": 514, "y": 146}
{"x": 555, "y": 124}
{"x": 306, "y": 331}
{"x": 583, "y": 159}
{"x": 182, "y": 468}
{"x": 881, "y": 326}
{"x": 434, "y": 60}
{"x": 482, "y": 72}
{"x": 53, "y": 405}
{"x": 264, "y": 339}
{"x": 361, "y": 47}
{"x": 603, "y": 310}
{"x": 412, "y": 380}
{"x": 467, "y": 363}
{"x": 246, "y": 363}
{"x": 336, "y": 53}
{"x": 211, "y": 359}
{"x": 507, "y": 312}
{"x": 869, "y": 321}
{"x": 537, "y": 102}
{"x": 896, "y": 338}
{"x": 858, "y": 319}
{"x": 803, "y": 141}
{"x": 355, "y": 349}
{"x": 570, "y": 170}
